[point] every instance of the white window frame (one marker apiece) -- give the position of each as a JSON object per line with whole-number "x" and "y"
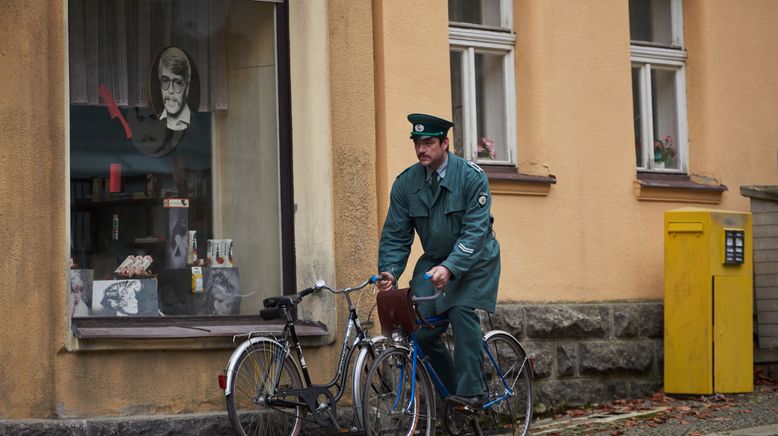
{"x": 468, "y": 42}
{"x": 646, "y": 58}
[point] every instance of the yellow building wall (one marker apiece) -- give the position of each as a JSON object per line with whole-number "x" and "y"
{"x": 590, "y": 238}
{"x": 33, "y": 205}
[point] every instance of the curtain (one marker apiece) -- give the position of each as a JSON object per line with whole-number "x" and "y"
{"x": 115, "y": 42}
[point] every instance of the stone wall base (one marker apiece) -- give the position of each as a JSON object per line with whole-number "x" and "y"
{"x": 587, "y": 353}
{"x": 583, "y": 354}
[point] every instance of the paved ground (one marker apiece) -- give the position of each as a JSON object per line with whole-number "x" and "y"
{"x": 734, "y": 414}
{"x": 754, "y": 414}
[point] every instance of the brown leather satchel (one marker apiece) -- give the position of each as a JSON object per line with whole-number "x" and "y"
{"x": 395, "y": 309}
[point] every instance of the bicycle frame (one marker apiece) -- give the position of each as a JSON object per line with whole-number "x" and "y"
{"x": 346, "y": 352}
{"x": 289, "y": 339}
{"x": 417, "y": 353}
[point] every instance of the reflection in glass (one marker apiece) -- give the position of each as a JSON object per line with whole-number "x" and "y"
{"x": 665, "y": 117}
{"x": 637, "y": 117}
{"x": 457, "y": 102}
{"x": 490, "y": 107}
{"x": 481, "y": 12}
{"x": 175, "y": 190}
{"x": 650, "y": 21}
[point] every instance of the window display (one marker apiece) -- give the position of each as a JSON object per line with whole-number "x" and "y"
{"x": 173, "y": 147}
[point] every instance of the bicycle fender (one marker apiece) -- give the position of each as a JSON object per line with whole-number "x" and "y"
{"x": 233, "y": 362}
{"x": 491, "y": 333}
{"x": 362, "y": 356}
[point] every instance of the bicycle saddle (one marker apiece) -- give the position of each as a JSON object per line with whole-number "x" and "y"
{"x": 282, "y": 301}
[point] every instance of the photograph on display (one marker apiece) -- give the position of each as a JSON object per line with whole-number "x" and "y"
{"x": 81, "y": 291}
{"x": 177, "y": 244}
{"x": 175, "y": 76}
{"x": 222, "y": 292}
{"x": 125, "y": 298}
{"x": 174, "y": 94}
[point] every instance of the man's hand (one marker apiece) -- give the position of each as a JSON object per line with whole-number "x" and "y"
{"x": 386, "y": 281}
{"x": 439, "y": 275}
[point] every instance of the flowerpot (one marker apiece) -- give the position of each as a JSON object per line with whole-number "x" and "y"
{"x": 659, "y": 164}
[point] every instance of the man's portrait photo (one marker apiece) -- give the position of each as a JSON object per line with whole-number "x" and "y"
{"x": 175, "y": 88}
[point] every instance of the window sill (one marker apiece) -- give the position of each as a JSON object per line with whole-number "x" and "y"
{"x": 676, "y": 188}
{"x": 171, "y": 332}
{"x": 508, "y": 181}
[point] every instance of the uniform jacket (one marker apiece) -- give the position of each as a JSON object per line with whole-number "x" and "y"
{"x": 455, "y": 228}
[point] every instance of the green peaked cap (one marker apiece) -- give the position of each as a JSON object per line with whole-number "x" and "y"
{"x": 427, "y": 126}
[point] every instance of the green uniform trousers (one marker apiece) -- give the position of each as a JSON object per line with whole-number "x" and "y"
{"x": 462, "y": 374}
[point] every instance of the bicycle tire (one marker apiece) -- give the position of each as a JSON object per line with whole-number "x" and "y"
{"x": 261, "y": 370}
{"x": 513, "y": 414}
{"x": 362, "y": 364}
{"x": 392, "y": 405}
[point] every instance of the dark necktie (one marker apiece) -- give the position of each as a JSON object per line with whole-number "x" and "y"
{"x": 434, "y": 182}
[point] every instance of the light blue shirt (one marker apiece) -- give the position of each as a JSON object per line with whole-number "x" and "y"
{"x": 441, "y": 171}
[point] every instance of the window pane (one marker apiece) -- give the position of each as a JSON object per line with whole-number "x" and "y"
{"x": 483, "y": 12}
{"x": 637, "y": 116}
{"x": 173, "y": 156}
{"x": 490, "y": 107}
{"x": 457, "y": 102}
{"x": 650, "y": 21}
{"x": 665, "y": 119}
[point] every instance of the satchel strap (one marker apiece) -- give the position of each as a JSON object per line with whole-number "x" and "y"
{"x": 422, "y": 319}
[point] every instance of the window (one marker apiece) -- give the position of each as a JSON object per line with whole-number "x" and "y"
{"x": 177, "y": 157}
{"x": 482, "y": 80}
{"x": 659, "y": 85}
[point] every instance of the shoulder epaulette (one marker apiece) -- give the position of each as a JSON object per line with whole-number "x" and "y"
{"x": 475, "y": 166}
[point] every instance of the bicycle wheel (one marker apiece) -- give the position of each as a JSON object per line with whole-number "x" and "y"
{"x": 362, "y": 364}
{"x": 256, "y": 404}
{"x": 392, "y": 403}
{"x": 512, "y": 411}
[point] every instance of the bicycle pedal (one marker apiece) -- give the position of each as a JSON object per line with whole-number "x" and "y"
{"x": 350, "y": 431}
{"x": 465, "y": 410}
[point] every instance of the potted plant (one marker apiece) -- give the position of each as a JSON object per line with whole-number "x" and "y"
{"x": 664, "y": 152}
{"x": 486, "y": 149}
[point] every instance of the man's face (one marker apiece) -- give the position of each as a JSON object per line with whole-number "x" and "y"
{"x": 431, "y": 152}
{"x": 177, "y": 90}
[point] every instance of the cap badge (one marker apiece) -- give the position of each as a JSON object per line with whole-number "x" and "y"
{"x": 418, "y": 128}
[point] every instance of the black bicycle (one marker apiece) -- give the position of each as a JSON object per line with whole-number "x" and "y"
{"x": 270, "y": 392}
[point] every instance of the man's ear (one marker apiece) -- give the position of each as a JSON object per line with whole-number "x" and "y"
{"x": 444, "y": 142}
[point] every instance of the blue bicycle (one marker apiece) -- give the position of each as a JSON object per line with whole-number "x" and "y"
{"x": 399, "y": 398}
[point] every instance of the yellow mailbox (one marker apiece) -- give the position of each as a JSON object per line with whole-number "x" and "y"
{"x": 708, "y": 302}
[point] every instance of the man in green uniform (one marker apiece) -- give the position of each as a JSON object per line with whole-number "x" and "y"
{"x": 446, "y": 201}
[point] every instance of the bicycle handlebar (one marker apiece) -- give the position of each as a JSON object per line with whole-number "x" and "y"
{"x": 272, "y": 304}
{"x": 321, "y": 285}
{"x": 431, "y": 297}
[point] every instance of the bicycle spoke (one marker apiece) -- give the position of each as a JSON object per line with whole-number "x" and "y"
{"x": 510, "y": 412}
{"x": 263, "y": 371}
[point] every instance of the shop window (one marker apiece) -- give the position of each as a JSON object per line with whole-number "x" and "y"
{"x": 659, "y": 85}
{"x": 482, "y": 80}
{"x": 178, "y": 148}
